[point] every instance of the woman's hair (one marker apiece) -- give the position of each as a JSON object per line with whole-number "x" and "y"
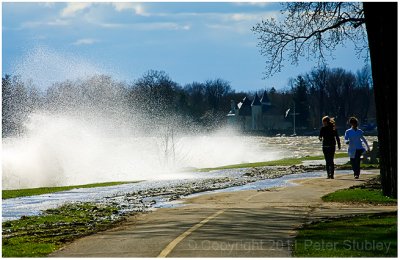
{"x": 330, "y": 121}
{"x": 353, "y": 121}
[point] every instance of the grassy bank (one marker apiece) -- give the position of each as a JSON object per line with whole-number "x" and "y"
{"x": 363, "y": 166}
{"x": 282, "y": 162}
{"x": 359, "y": 195}
{"x": 362, "y": 236}
{"x": 369, "y": 193}
{"x": 37, "y": 236}
{"x": 7, "y": 194}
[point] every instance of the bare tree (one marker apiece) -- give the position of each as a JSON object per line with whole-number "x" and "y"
{"x": 310, "y": 30}
{"x": 314, "y": 29}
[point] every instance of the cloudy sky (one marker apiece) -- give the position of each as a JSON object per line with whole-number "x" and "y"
{"x": 50, "y": 42}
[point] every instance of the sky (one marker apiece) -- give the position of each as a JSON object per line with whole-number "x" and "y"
{"x": 190, "y": 41}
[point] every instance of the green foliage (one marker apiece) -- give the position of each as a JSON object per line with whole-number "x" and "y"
{"x": 37, "y": 236}
{"x": 363, "y": 166}
{"x": 362, "y": 236}
{"x": 282, "y": 162}
{"x": 300, "y": 97}
{"x": 359, "y": 195}
{"x": 8, "y": 194}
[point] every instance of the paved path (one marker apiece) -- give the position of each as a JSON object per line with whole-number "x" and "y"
{"x": 235, "y": 224}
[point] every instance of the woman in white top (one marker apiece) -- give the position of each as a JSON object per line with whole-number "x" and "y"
{"x": 354, "y": 138}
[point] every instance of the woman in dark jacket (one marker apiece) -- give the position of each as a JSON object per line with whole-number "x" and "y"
{"x": 329, "y": 137}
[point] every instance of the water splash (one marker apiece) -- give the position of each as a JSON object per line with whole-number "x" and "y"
{"x": 86, "y": 131}
{"x": 65, "y": 150}
{"x": 44, "y": 66}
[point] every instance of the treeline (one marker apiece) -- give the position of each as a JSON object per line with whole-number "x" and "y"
{"x": 151, "y": 100}
{"x": 155, "y": 98}
{"x": 334, "y": 92}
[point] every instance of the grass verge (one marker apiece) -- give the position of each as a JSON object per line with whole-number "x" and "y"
{"x": 38, "y": 236}
{"x": 369, "y": 193}
{"x": 282, "y": 162}
{"x": 363, "y": 166}
{"x": 362, "y": 236}
{"x": 359, "y": 195}
{"x": 8, "y": 194}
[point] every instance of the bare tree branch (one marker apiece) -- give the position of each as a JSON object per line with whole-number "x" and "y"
{"x": 309, "y": 30}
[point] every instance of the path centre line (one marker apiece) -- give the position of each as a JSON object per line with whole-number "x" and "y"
{"x": 167, "y": 250}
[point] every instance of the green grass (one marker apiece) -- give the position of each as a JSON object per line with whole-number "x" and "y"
{"x": 8, "y": 194}
{"x": 38, "y": 236}
{"x": 282, "y": 162}
{"x": 359, "y": 195}
{"x": 369, "y": 192}
{"x": 363, "y": 166}
{"x": 362, "y": 236}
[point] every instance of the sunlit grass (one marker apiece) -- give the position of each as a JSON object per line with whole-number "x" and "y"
{"x": 38, "y": 236}
{"x": 8, "y": 194}
{"x": 363, "y": 236}
{"x": 359, "y": 195}
{"x": 281, "y": 162}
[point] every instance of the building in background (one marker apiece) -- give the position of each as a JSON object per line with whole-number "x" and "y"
{"x": 257, "y": 115}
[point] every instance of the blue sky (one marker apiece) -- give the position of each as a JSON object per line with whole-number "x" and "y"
{"x": 49, "y": 42}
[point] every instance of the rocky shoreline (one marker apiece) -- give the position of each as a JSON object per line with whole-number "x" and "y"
{"x": 145, "y": 200}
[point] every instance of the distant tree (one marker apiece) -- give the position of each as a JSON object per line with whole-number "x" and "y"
{"x": 216, "y": 92}
{"x": 364, "y": 92}
{"x": 7, "y": 106}
{"x": 196, "y": 99}
{"x": 300, "y": 98}
{"x": 340, "y": 85}
{"x": 318, "y": 79}
{"x": 313, "y": 28}
{"x": 154, "y": 94}
{"x": 15, "y": 105}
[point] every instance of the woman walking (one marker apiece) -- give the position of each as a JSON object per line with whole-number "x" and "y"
{"x": 329, "y": 137}
{"x": 354, "y": 138}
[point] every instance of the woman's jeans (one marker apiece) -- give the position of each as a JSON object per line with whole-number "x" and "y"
{"x": 355, "y": 162}
{"x": 329, "y": 154}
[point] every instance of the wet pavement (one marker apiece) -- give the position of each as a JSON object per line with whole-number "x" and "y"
{"x": 147, "y": 195}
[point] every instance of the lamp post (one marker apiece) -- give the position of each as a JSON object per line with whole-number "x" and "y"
{"x": 294, "y": 114}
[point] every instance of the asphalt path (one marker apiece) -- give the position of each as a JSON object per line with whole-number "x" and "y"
{"x": 227, "y": 224}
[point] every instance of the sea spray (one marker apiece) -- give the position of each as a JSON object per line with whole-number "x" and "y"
{"x": 61, "y": 149}
{"x": 75, "y": 126}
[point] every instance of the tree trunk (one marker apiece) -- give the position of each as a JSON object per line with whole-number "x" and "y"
{"x": 381, "y": 24}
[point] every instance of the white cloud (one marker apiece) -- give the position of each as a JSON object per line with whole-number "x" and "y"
{"x": 135, "y": 7}
{"x": 252, "y": 17}
{"x": 73, "y": 8}
{"x": 47, "y": 4}
{"x": 58, "y": 22}
{"x": 35, "y": 24}
{"x": 148, "y": 26}
{"x": 260, "y": 3}
{"x": 159, "y": 26}
{"x": 112, "y": 25}
{"x": 85, "y": 41}
{"x": 238, "y": 22}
